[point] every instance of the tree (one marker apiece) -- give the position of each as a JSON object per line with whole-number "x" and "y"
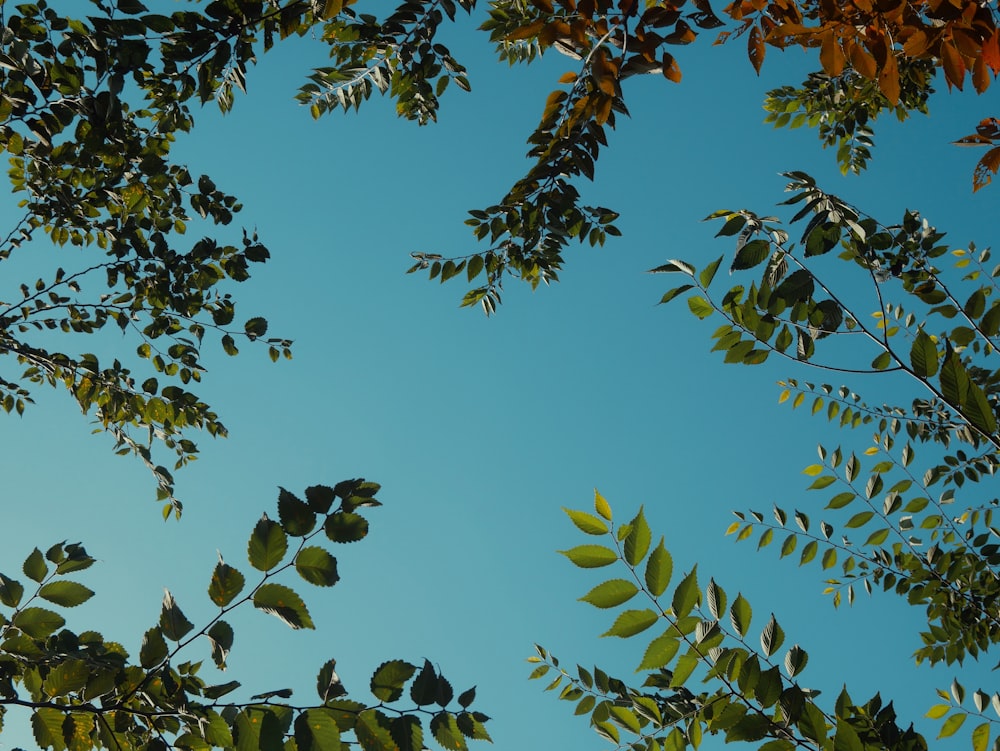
{"x": 888, "y": 522}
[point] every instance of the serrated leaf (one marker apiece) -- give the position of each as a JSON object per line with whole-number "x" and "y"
{"x": 590, "y": 556}
{"x": 659, "y": 569}
{"x": 66, "y": 593}
{"x": 35, "y": 567}
{"x": 587, "y": 523}
{"x": 317, "y": 730}
{"x": 772, "y": 637}
{"x": 154, "y": 648}
{"x": 660, "y": 652}
{"x": 740, "y": 615}
{"x": 389, "y": 679}
{"x": 38, "y": 623}
{"x": 227, "y": 582}
{"x": 611, "y": 593}
{"x": 345, "y": 527}
{"x": 601, "y": 506}
{"x": 296, "y": 516}
{"x": 638, "y": 539}
{"x": 632, "y": 622}
{"x": 267, "y": 546}
{"x": 173, "y": 624}
{"x": 686, "y": 595}
{"x": 284, "y": 603}
{"x": 317, "y": 566}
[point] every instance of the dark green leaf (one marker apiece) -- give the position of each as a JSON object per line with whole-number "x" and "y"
{"x": 267, "y": 546}
{"x": 317, "y": 566}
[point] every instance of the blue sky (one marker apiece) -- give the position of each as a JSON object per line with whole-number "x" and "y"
{"x": 481, "y": 429}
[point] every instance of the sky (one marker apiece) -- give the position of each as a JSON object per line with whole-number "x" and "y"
{"x": 481, "y": 429}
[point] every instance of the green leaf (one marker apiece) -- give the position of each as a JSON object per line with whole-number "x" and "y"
{"x": 611, "y": 593}
{"x": 740, "y": 615}
{"x": 795, "y": 661}
{"x": 951, "y": 725}
{"x": 587, "y": 523}
{"x": 35, "y": 567}
{"x": 686, "y": 595}
{"x": 267, "y": 546}
{"x": 38, "y": 623}
{"x": 660, "y": 652}
{"x": 659, "y": 569}
{"x": 772, "y": 637}
{"x": 981, "y": 737}
{"x": 66, "y": 593}
{"x": 284, "y": 603}
{"x": 154, "y": 648}
{"x": 846, "y": 738}
{"x": 389, "y": 679}
{"x": 66, "y": 677}
{"x": 227, "y": 582}
{"x": 317, "y": 566}
{"x": 297, "y": 518}
{"x": 344, "y": 527}
{"x": 590, "y": 556}
{"x": 320, "y": 498}
{"x": 329, "y": 686}
{"x": 753, "y": 727}
{"x": 632, "y": 622}
{"x": 601, "y": 506}
{"x": 670, "y": 294}
{"x": 11, "y": 591}
{"x": 923, "y": 355}
{"x": 751, "y": 254}
{"x": 716, "y": 598}
{"x": 47, "y": 724}
{"x": 701, "y": 307}
{"x": 173, "y": 624}
{"x": 638, "y": 539}
{"x": 444, "y": 728}
{"x": 708, "y": 273}
{"x": 258, "y": 729}
{"x": 406, "y": 730}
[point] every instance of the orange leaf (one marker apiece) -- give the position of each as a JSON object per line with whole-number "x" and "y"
{"x": 755, "y": 48}
{"x": 953, "y": 64}
{"x": 569, "y": 77}
{"x": 888, "y": 79}
{"x": 831, "y": 56}
{"x": 990, "y": 163}
{"x": 862, "y": 61}
{"x": 916, "y": 44}
{"x": 524, "y": 32}
{"x": 671, "y": 70}
{"x": 989, "y": 128}
{"x": 991, "y": 51}
{"x": 543, "y": 5}
{"x": 980, "y": 75}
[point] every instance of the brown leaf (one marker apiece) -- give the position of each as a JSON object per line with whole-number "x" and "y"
{"x": 991, "y": 51}
{"x": 755, "y": 49}
{"x": 671, "y": 70}
{"x": 987, "y": 167}
{"x": 980, "y": 75}
{"x": 862, "y": 61}
{"x": 989, "y": 128}
{"x": 953, "y": 64}
{"x": 888, "y": 80}
{"x": 831, "y": 56}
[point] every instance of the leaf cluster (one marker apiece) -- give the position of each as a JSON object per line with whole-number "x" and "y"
{"x": 87, "y": 692}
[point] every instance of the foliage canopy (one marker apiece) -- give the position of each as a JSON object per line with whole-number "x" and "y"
{"x": 90, "y": 108}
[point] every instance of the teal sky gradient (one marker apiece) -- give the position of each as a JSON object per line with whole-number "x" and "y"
{"x": 481, "y": 429}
